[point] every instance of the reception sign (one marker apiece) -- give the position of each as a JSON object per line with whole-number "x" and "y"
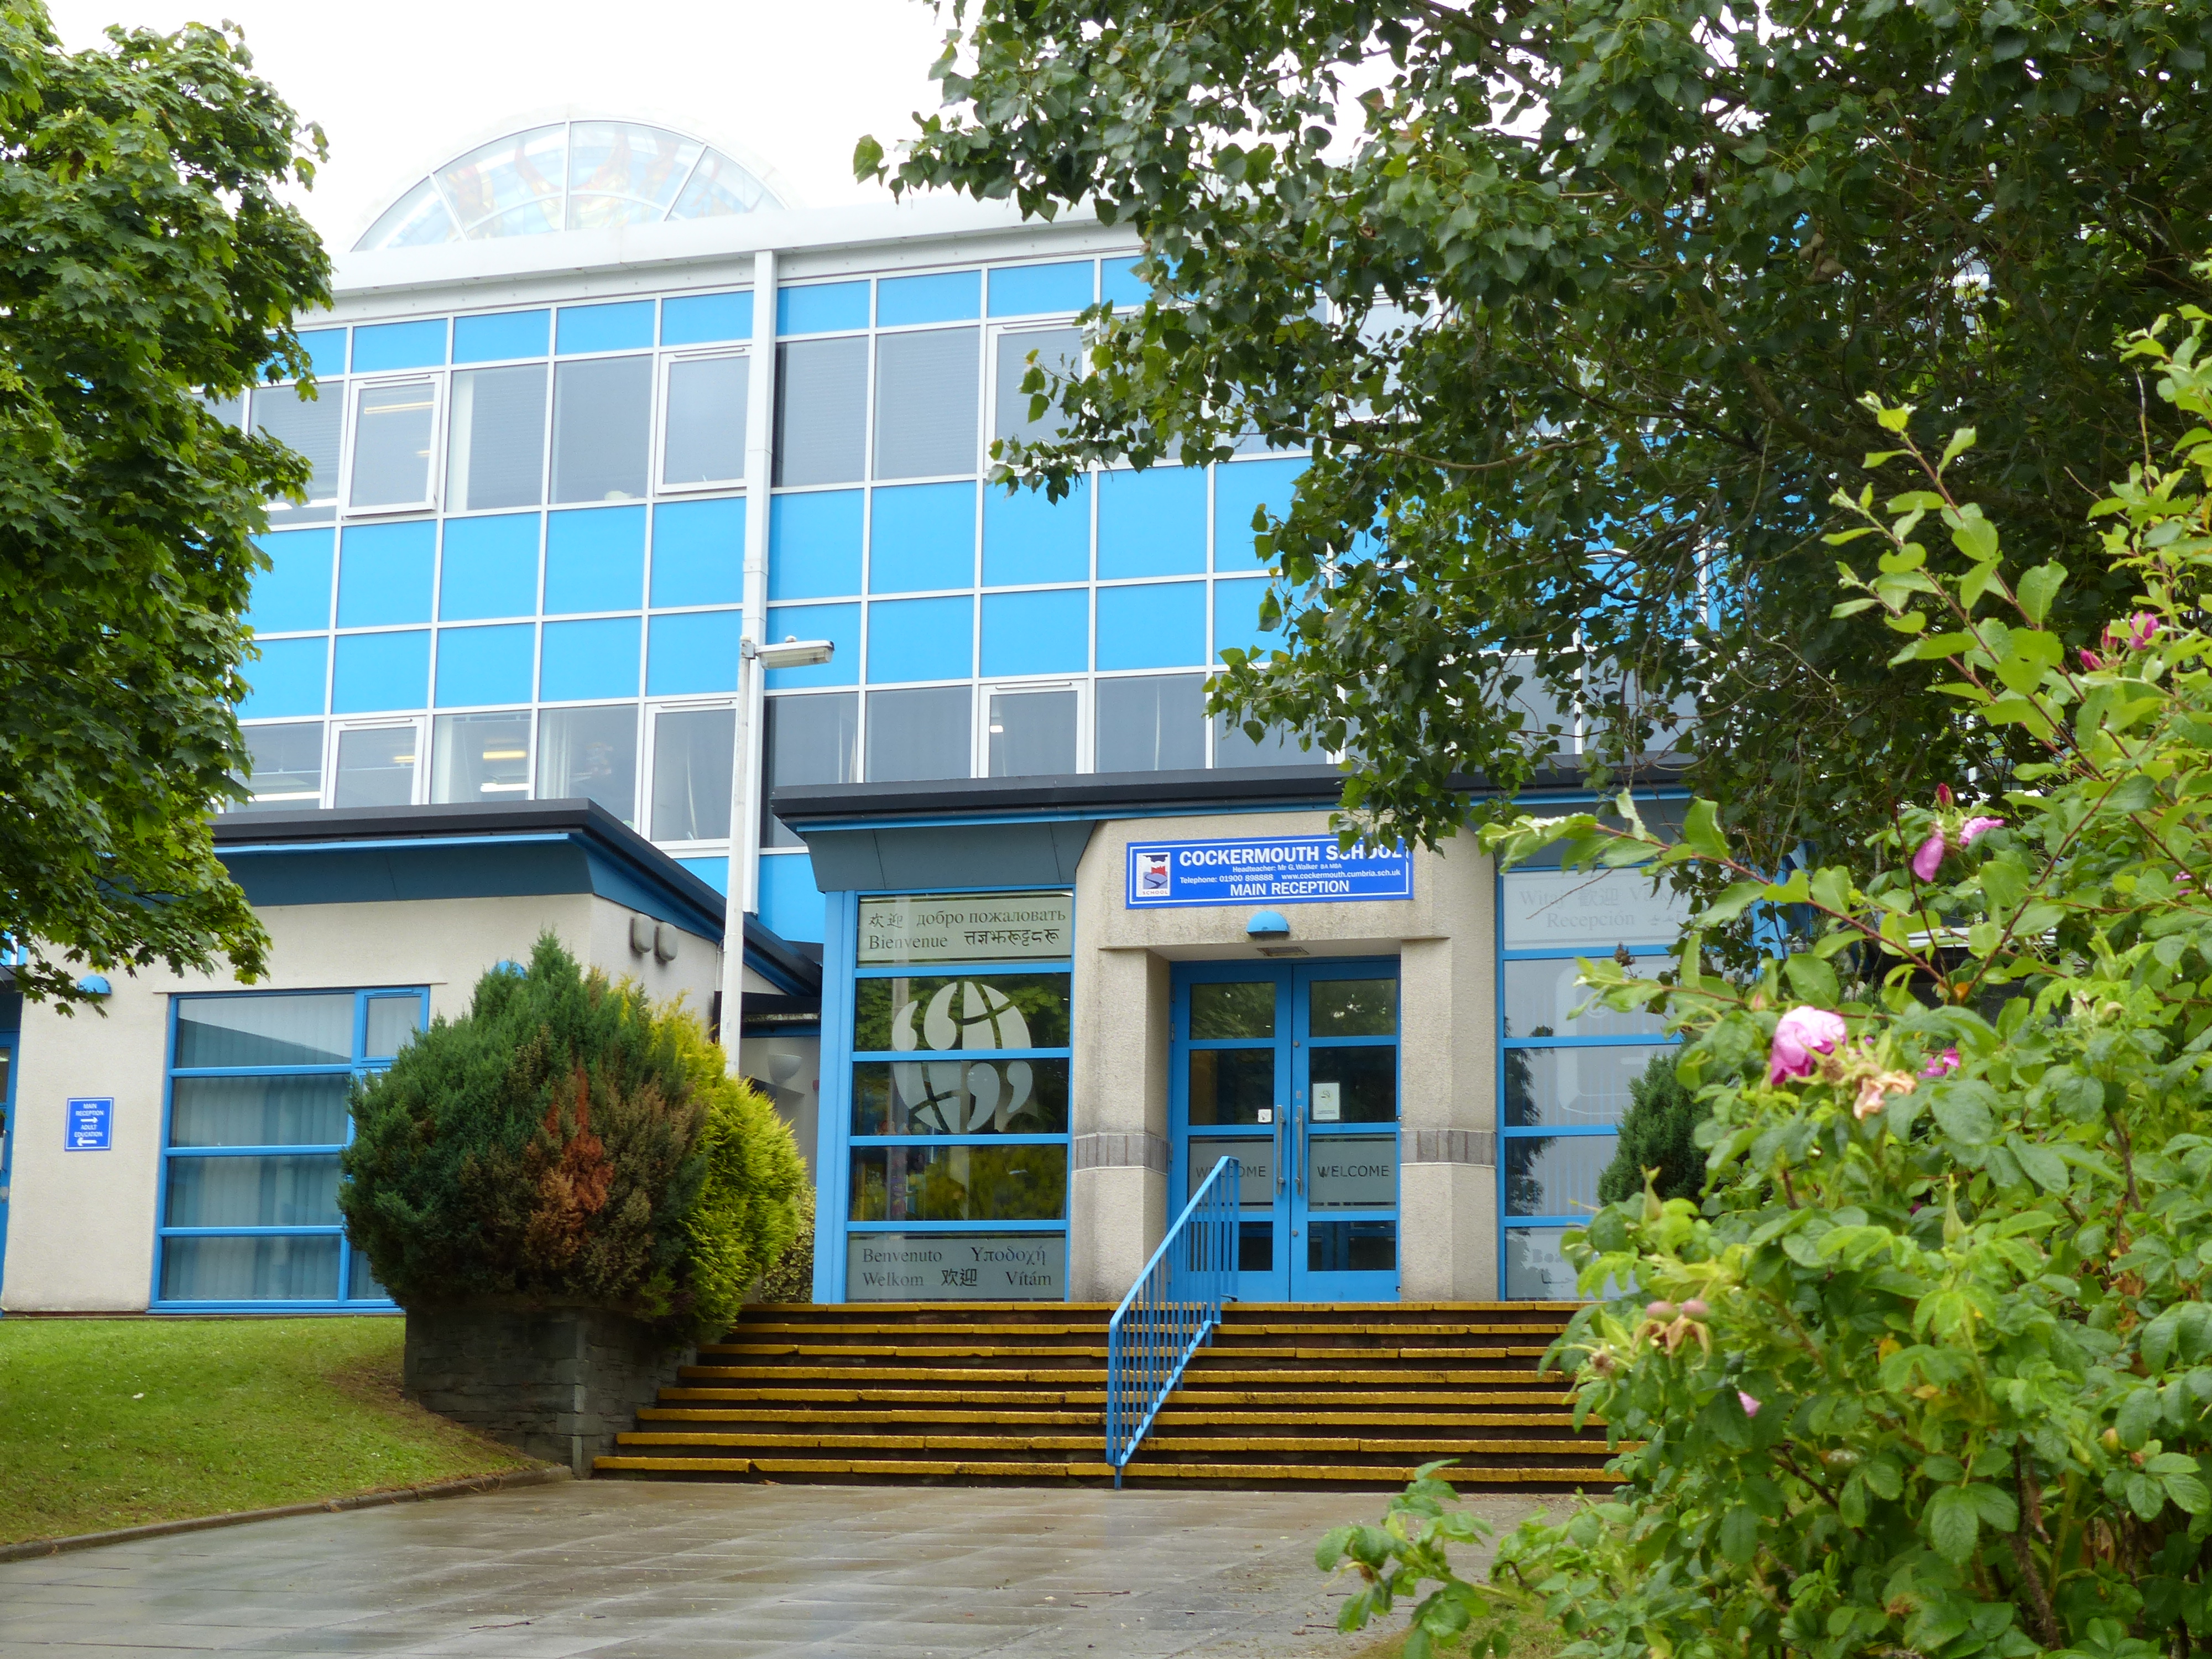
{"x": 1263, "y": 870}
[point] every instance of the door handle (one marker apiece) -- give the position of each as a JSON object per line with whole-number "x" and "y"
{"x": 1301, "y": 1176}
{"x": 1282, "y": 1144}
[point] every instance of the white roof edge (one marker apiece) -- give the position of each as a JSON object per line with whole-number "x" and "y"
{"x": 632, "y": 247}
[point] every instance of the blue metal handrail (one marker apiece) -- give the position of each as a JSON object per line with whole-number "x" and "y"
{"x": 1170, "y": 1310}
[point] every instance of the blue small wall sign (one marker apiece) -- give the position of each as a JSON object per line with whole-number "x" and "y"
{"x": 1271, "y": 870}
{"x": 91, "y": 1125}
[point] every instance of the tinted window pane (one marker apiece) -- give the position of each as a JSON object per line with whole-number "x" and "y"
{"x": 1032, "y": 734}
{"x": 312, "y": 430}
{"x": 259, "y": 1111}
{"x": 590, "y": 754}
{"x": 495, "y": 453}
{"x": 284, "y": 1191}
{"x": 362, "y": 1285}
{"x": 1256, "y": 1168}
{"x": 1555, "y": 1174}
{"x": 807, "y": 740}
{"x": 1233, "y": 1011}
{"x": 1363, "y": 1083}
{"x": 1354, "y": 1008}
{"x": 1155, "y": 724}
{"x": 481, "y": 758}
{"x": 960, "y": 1097}
{"x": 288, "y": 766}
{"x": 1534, "y": 1268}
{"x": 602, "y": 414}
{"x": 1058, "y": 351}
{"x": 261, "y": 1269}
{"x": 1231, "y": 1086}
{"x": 692, "y": 752}
{"x": 1352, "y": 1247}
{"x": 1541, "y": 997}
{"x": 1278, "y": 748}
{"x": 821, "y": 410}
{"x": 376, "y": 767}
{"x": 906, "y": 1014}
{"x": 392, "y": 431}
{"x": 1568, "y": 1086}
{"x": 919, "y": 734}
{"x": 392, "y": 1021}
{"x": 959, "y": 1183}
{"x": 926, "y": 392}
{"x": 705, "y": 440}
{"x": 264, "y": 1030}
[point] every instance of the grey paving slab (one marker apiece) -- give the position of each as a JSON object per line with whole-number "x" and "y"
{"x": 609, "y": 1569}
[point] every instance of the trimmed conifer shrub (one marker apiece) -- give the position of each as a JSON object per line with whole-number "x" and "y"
{"x": 1658, "y": 1131}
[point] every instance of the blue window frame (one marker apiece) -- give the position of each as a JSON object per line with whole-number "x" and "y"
{"x": 254, "y": 1115}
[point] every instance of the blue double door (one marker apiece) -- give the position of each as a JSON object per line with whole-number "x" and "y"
{"x": 1293, "y": 1071}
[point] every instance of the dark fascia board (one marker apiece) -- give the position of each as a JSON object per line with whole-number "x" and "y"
{"x": 1120, "y": 794}
{"x": 781, "y": 963}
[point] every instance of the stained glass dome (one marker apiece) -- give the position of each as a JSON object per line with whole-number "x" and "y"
{"x": 573, "y": 175}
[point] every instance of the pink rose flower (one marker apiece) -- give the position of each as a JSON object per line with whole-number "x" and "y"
{"x": 1942, "y": 1065}
{"x": 1974, "y": 829}
{"x": 1803, "y": 1033}
{"x": 2091, "y": 660}
{"x": 2141, "y": 629}
{"x": 1942, "y": 795}
{"x": 1750, "y": 1405}
{"x": 1930, "y": 859}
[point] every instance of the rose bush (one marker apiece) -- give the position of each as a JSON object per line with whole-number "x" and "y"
{"x": 1928, "y": 1370}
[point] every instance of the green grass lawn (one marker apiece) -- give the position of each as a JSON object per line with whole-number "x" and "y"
{"x": 116, "y": 1422}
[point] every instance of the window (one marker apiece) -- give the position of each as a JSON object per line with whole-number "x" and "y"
{"x": 394, "y": 425}
{"x": 1152, "y": 723}
{"x": 919, "y": 734}
{"x": 1276, "y": 747}
{"x": 693, "y": 750}
{"x": 496, "y": 453}
{"x": 590, "y": 754}
{"x": 602, "y": 421}
{"x": 703, "y": 428}
{"x": 806, "y": 740}
{"x": 313, "y": 430}
{"x": 480, "y": 757}
{"x": 926, "y": 392}
{"x": 1031, "y": 732}
{"x": 258, "y": 1086}
{"x": 1058, "y": 351}
{"x": 376, "y": 765}
{"x": 821, "y": 410}
{"x": 287, "y": 771}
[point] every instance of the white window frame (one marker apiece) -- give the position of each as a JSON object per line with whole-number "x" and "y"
{"x": 980, "y": 764}
{"x": 654, "y": 711}
{"x": 528, "y": 711}
{"x": 340, "y": 388}
{"x": 434, "y": 476}
{"x": 334, "y": 737}
{"x": 992, "y": 334}
{"x": 661, "y": 487}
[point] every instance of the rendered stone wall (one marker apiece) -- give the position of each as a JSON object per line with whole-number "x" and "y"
{"x": 558, "y": 1385}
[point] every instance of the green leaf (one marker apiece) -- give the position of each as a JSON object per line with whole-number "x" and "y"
{"x": 1954, "y": 1521}
{"x": 1732, "y": 904}
{"x": 1701, "y": 829}
{"x": 1963, "y": 1110}
{"x": 1739, "y": 1533}
{"x": 2137, "y": 1416}
{"x": 2038, "y": 587}
{"x": 1812, "y": 980}
{"x": 1961, "y": 441}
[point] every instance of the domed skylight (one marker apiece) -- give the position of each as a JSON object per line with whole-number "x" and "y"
{"x": 577, "y": 175}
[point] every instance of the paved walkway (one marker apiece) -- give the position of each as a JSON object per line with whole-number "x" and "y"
{"x": 634, "y": 1572}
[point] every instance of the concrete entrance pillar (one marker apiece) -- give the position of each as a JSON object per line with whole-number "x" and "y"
{"x": 1117, "y": 1196}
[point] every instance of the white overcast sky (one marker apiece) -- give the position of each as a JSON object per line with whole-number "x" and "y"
{"x": 398, "y": 85}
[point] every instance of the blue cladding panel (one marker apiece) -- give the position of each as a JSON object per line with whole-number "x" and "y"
{"x": 485, "y": 665}
{"x": 922, "y": 536}
{"x": 838, "y": 623}
{"x": 955, "y": 296}
{"x": 1240, "y": 490}
{"x": 384, "y": 574}
{"x": 699, "y": 552}
{"x": 814, "y": 545}
{"x": 589, "y": 659}
{"x": 326, "y": 350}
{"x": 1237, "y": 616}
{"x": 701, "y": 318}
{"x": 398, "y": 345}
{"x": 1152, "y": 523}
{"x": 1027, "y": 539}
{"x": 790, "y": 905}
{"x": 377, "y": 673}
{"x": 491, "y": 567}
{"x": 594, "y": 559}
{"x": 1026, "y": 290}
{"x": 1039, "y": 633}
{"x": 824, "y": 308}
{"x": 288, "y": 680}
{"x": 694, "y": 653}
{"x": 622, "y": 327}
{"x": 1159, "y": 626}
{"x": 503, "y": 334}
{"x": 1117, "y": 282}
{"x": 294, "y": 594}
{"x": 920, "y": 640}
{"x": 715, "y": 873}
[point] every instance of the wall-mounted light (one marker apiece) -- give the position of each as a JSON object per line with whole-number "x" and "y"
{"x": 794, "y": 653}
{"x": 1268, "y": 924}
{"x": 96, "y": 985}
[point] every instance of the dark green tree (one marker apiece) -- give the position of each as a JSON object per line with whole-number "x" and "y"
{"x": 1570, "y": 301}
{"x": 1658, "y": 1131}
{"x": 146, "y": 258}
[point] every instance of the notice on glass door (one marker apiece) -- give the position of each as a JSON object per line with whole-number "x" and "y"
{"x": 1327, "y": 1103}
{"x": 922, "y": 928}
{"x": 1270, "y": 870}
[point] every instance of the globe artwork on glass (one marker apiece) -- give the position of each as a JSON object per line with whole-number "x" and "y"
{"x": 961, "y": 1096}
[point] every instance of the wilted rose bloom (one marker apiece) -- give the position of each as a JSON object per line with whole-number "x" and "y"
{"x": 1930, "y": 859}
{"x": 1942, "y": 1065}
{"x": 1803, "y": 1033}
{"x": 1974, "y": 829}
{"x": 1750, "y": 1405}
